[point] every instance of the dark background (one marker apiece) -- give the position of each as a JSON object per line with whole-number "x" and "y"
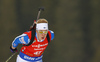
{"x": 76, "y": 24}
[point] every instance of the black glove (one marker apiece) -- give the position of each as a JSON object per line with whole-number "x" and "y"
{"x": 13, "y": 50}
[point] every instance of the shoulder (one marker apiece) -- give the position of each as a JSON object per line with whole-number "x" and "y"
{"x": 22, "y": 35}
{"x": 51, "y": 34}
{"x": 51, "y": 31}
{"x": 28, "y": 33}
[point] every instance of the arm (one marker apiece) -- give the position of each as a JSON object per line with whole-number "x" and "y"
{"x": 22, "y": 39}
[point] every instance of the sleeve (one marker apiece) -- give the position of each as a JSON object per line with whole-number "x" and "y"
{"x": 52, "y": 35}
{"x": 21, "y": 39}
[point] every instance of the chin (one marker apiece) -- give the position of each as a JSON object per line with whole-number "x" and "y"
{"x": 42, "y": 39}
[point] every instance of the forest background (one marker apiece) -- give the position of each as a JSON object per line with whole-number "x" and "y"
{"x": 75, "y": 24}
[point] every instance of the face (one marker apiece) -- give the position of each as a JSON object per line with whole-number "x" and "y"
{"x": 41, "y": 34}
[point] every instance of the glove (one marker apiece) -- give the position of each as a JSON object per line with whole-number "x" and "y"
{"x": 13, "y": 50}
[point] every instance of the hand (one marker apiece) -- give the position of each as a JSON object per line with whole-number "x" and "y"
{"x": 13, "y": 50}
{"x": 34, "y": 22}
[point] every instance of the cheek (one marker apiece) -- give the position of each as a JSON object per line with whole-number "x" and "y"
{"x": 45, "y": 35}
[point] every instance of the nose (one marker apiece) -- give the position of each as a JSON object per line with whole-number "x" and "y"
{"x": 43, "y": 34}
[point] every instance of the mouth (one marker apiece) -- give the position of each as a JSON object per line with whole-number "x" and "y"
{"x": 42, "y": 37}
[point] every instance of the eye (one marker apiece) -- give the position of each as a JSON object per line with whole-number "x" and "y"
{"x": 40, "y": 32}
{"x": 45, "y": 32}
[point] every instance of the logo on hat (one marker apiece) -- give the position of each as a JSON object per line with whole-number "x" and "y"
{"x": 44, "y": 27}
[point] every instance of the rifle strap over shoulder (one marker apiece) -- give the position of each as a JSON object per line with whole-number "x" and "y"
{"x": 48, "y": 38}
{"x": 32, "y": 37}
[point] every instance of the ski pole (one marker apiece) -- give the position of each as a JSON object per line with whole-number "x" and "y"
{"x": 10, "y": 57}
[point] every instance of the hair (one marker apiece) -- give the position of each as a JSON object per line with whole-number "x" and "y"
{"x": 38, "y": 21}
{"x": 42, "y": 21}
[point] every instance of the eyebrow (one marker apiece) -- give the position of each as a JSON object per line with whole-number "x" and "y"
{"x": 43, "y": 30}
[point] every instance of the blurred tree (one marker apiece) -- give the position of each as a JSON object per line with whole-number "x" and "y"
{"x": 69, "y": 32}
{"x": 27, "y": 12}
{"x": 95, "y": 30}
{"x": 8, "y": 26}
